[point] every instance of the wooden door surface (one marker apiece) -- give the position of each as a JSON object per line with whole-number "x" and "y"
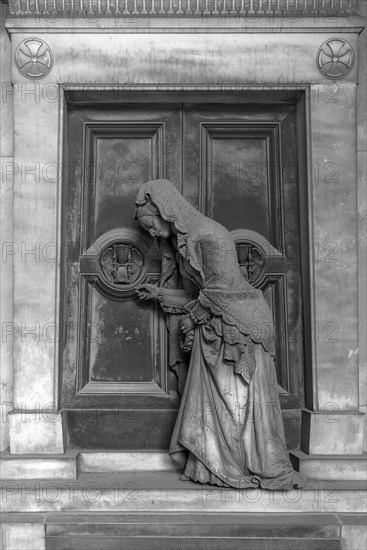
{"x": 241, "y": 168}
{"x": 235, "y": 163}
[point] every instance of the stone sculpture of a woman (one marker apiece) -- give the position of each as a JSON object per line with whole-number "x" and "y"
{"x": 229, "y": 430}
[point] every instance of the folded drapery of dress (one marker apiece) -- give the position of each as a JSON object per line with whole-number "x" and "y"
{"x": 229, "y": 430}
{"x": 199, "y": 314}
{"x": 232, "y": 430}
{"x": 243, "y": 311}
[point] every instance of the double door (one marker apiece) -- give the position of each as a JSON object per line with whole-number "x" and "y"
{"x": 237, "y": 164}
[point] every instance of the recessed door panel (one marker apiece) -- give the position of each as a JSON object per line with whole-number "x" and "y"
{"x": 119, "y": 350}
{"x": 122, "y": 156}
{"x": 235, "y": 190}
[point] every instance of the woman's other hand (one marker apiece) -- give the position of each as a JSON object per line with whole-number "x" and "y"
{"x": 186, "y": 323}
{"x": 147, "y": 292}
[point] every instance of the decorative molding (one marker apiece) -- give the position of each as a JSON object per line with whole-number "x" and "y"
{"x": 121, "y": 264}
{"x": 182, "y": 8}
{"x": 252, "y": 262}
{"x": 266, "y": 261}
{"x": 335, "y": 58}
{"x": 33, "y": 58}
{"x": 115, "y": 263}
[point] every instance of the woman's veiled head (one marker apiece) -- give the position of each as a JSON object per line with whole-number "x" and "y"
{"x": 184, "y": 221}
{"x": 150, "y": 220}
{"x": 155, "y": 225}
{"x": 170, "y": 204}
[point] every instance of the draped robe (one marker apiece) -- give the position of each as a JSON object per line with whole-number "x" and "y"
{"x": 229, "y": 430}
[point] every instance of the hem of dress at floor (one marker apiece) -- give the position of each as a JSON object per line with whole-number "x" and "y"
{"x": 196, "y": 470}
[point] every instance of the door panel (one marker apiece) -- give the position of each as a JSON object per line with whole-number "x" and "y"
{"x": 233, "y": 185}
{"x": 246, "y": 177}
{"x": 114, "y": 348}
{"x": 238, "y": 165}
{"x": 135, "y": 155}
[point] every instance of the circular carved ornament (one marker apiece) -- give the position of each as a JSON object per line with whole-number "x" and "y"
{"x": 115, "y": 264}
{"x": 33, "y": 58}
{"x": 252, "y": 262}
{"x": 335, "y": 58}
{"x": 122, "y": 264}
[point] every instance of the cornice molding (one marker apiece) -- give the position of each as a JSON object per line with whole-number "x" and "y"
{"x": 183, "y": 8}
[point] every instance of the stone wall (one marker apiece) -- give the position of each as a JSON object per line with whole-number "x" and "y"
{"x": 107, "y": 53}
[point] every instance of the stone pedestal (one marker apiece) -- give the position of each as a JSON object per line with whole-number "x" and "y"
{"x": 39, "y": 466}
{"x": 37, "y": 432}
{"x": 23, "y": 536}
{"x": 334, "y": 433}
{"x": 330, "y": 467}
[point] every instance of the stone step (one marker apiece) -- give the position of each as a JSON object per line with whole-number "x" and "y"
{"x": 74, "y": 463}
{"x": 124, "y": 461}
{"x": 188, "y": 543}
{"x": 197, "y": 525}
{"x": 155, "y": 492}
{"x": 209, "y": 531}
{"x": 330, "y": 467}
{"x": 112, "y": 531}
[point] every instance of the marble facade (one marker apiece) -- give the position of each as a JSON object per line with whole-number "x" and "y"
{"x": 101, "y": 51}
